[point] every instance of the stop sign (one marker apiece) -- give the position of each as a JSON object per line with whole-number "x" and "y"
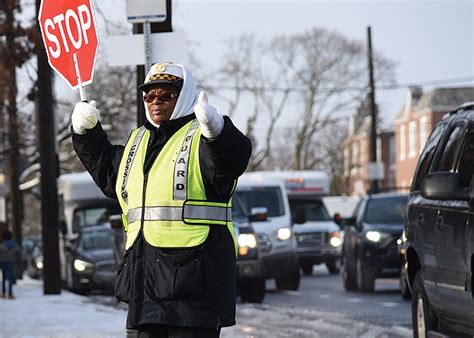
{"x": 68, "y": 28}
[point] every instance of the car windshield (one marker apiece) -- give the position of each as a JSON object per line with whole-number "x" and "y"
{"x": 237, "y": 210}
{"x": 268, "y": 197}
{"x": 389, "y": 210}
{"x": 96, "y": 239}
{"x": 315, "y": 210}
{"x": 93, "y": 216}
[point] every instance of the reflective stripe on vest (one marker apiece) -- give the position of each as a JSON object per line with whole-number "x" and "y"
{"x": 191, "y": 212}
{"x": 129, "y": 162}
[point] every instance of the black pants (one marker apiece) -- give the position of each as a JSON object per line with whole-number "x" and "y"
{"x": 162, "y": 331}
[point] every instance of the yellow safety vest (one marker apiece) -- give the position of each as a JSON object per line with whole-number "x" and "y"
{"x": 174, "y": 209}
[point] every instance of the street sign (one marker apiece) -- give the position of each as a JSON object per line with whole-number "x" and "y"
{"x": 376, "y": 171}
{"x": 164, "y": 47}
{"x": 69, "y": 34}
{"x": 139, "y": 11}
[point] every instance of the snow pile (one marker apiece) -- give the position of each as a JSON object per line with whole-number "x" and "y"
{"x": 68, "y": 315}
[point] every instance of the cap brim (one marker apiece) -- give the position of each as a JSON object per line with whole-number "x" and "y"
{"x": 146, "y": 86}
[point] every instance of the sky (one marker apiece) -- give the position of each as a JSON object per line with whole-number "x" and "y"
{"x": 431, "y": 41}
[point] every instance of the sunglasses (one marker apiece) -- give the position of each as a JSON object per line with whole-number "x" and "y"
{"x": 165, "y": 97}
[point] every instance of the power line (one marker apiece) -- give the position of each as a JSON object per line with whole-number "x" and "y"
{"x": 346, "y": 89}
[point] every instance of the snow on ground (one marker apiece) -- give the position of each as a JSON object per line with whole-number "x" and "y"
{"x": 69, "y": 315}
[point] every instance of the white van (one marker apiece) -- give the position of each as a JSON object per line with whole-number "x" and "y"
{"x": 266, "y": 203}
{"x": 319, "y": 238}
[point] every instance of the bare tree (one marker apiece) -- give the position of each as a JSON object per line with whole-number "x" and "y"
{"x": 315, "y": 77}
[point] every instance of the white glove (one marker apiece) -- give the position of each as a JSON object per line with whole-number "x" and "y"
{"x": 84, "y": 116}
{"x": 209, "y": 118}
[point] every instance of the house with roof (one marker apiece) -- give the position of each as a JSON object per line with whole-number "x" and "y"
{"x": 356, "y": 154}
{"x": 414, "y": 123}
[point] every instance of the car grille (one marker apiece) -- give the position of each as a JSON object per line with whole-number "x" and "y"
{"x": 264, "y": 242}
{"x": 311, "y": 239}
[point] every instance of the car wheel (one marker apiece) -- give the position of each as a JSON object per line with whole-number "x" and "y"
{"x": 334, "y": 266}
{"x": 365, "y": 277}
{"x": 349, "y": 276}
{"x": 252, "y": 290}
{"x": 404, "y": 289}
{"x": 290, "y": 281}
{"x": 423, "y": 317}
{"x": 307, "y": 269}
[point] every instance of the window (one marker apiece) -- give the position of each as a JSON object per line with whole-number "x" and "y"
{"x": 346, "y": 162}
{"x": 427, "y": 156}
{"x": 314, "y": 210}
{"x": 449, "y": 152}
{"x": 466, "y": 162}
{"x": 268, "y": 197}
{"x": 423, "y": 131}
{"x": 389, "y": 210}
{"x": 412, "y": 139}
{"x": 402, "y": 142}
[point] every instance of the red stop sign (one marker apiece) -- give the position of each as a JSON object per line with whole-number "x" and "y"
{"x": 68, "y": 27}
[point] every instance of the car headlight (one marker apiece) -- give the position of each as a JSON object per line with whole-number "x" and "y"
{"x": 375, "y": 236}
{"x": 81, "y": 265}
{"x": 39, "y": 262}
{"x": 335, "y": 239}
{"x": 283, "y": 234}
{"x": 247, "y": 240}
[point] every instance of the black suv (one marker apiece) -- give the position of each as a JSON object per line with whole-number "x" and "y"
{"x": 370, "y": 248}
{"x": 439, "y": 229}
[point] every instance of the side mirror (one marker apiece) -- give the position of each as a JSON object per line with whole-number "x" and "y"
{"x": 350, "y": 221}
{"x": 116, "y": 221}
{"x": 299, "y": 216}
{"x": 444, "y": 185}
{"x": 338, "y": 220}
{"x": 259, "y": 214}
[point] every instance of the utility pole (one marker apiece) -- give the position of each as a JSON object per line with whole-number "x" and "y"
{"x": 13, "y": 168}
{"x": 374, "y": 186}
{"x": 49, "y": 172}
{"x": 155, "y": 27}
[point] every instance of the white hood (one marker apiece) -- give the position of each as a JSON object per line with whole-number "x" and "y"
{"x": 187, "y": 98}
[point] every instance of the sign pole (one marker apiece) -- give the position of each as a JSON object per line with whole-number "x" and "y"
{"x": 82, "y": 91}
{"x": 146, "y": 35}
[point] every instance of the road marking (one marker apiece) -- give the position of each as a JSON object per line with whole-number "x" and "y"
{"x": 390, "y": 304}
{"x": 354, "y": 300}
{"x": 292, "y": 293}
{"x": 324, "y": 296}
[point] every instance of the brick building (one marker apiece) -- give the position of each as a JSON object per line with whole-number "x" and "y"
{"x": 414, "y": 123}
{"x": 356, "y": 153}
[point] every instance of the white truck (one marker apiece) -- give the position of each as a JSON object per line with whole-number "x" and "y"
{"x": 318, "y": 237}
{"x": 266, "y": 203}
{"x": 81, "y": 204}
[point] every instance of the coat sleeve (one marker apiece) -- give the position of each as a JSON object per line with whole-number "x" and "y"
{"x": 100, "y": 158}
{"x": 223, "y": 160}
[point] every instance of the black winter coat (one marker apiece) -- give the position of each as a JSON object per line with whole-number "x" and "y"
{"x": 192, "y": 287}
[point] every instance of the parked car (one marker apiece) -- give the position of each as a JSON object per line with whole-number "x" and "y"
{"x": 370, "y": 248}
{"x": 35, "y": 261}
{"x": 250, "y": 274}
{"x": 439, "y": 229}
{"x": 90, "y": 260}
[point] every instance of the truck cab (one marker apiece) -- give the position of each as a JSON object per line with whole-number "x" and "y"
{"x": 266, "y": 203}
{"x": 318, "y": 237}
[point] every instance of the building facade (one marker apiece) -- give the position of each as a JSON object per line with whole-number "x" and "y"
{"x": 415, "y": 121}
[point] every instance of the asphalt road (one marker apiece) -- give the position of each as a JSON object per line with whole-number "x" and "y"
{"x": 324, "y": 292}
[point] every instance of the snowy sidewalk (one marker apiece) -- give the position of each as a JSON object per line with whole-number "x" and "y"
{"x": 67, "y": 315}
{"x": 34, "y": 315}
